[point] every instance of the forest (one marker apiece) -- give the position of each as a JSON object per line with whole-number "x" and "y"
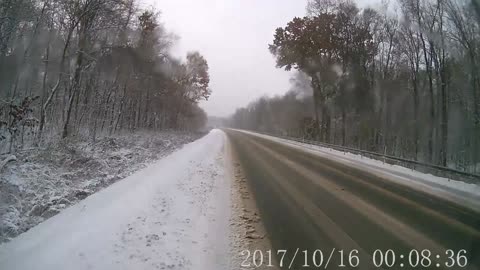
{"x": 402, "y": 79}
{"x": 89, "y": 68}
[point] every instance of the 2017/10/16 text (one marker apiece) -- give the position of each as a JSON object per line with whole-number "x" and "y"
{"x": 337, "y": 258}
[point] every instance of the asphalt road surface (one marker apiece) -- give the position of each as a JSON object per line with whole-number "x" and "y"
{"x": 353, "y": 217}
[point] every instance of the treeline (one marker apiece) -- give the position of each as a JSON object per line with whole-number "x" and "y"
{"x": 403, "y": 80}
{"x": 90, "y": 67}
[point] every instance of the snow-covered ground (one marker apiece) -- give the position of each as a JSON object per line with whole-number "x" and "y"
{"x": 177, "y": 214}
{"x": 41, "y": 182}
{"x": 458, "y": 191}
{"x": 173, "y": 214}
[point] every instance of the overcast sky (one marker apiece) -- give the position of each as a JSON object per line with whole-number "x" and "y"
{"x": 233, "y": 35}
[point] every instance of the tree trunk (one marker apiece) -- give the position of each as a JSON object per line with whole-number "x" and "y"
{"x": 316, "y": 90}
{"x": 44, "y": 94}
{"x": 325, "y": 123}
{"x": 415, "y": 120}
{"x": 76, "y": 79}
{"x": 344, "y": 125}
{"x": 444, "y": 119}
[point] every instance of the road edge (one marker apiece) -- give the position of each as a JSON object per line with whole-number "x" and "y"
{"x": 247, "y": 231}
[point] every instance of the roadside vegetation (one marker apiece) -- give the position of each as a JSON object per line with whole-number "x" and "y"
{"x": 402, "y": 79}
{"x": 89, "y": 93}
{"x": 89, "y": 68}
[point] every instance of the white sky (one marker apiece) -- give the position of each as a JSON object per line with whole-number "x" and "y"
{"x": 233, "y": 35}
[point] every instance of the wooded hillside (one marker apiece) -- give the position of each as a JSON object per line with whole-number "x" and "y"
{"x": 90, "y": 67}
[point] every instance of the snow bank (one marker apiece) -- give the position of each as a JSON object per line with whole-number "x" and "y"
{"x": 458, "y": 191}
{"x": 171, "y": 215}
{"x": 42, "y": 182}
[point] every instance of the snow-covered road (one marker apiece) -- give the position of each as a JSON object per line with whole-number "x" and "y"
{"x": 456, "y": 190}
{"x": 171, "y": 215}
{"x": 316, "y": 200}
{"x": 194, "y": 210}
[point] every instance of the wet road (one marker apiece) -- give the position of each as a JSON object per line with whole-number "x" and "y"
{"x": 353, "y": 217}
